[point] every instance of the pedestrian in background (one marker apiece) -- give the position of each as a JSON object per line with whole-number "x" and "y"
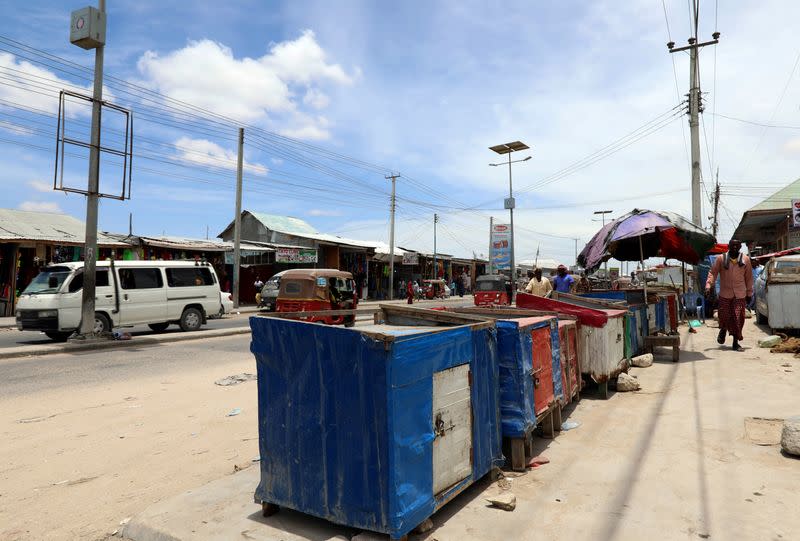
{"x": 460, "y": 284}
{"x": 583, "y": 285}
{"x": 735, "y": 291}
{"x": 410, "y": 292}
{"x": 539, "y": 286}
{"x": 563, "y": 281}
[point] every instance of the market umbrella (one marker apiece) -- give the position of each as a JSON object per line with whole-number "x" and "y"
{"x": 640, "y": 234}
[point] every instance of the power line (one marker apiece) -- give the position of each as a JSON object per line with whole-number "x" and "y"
{"x": 677, "y": 89}
{"x": 774, "y": 112}
{"x": 756, "y": 123}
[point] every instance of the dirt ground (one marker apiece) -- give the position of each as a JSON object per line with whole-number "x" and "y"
{"x": 673, "y": 461}
{"x": 76, "y": 461}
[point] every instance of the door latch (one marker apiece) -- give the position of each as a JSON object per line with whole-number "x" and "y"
{"x": 439, "y": 428}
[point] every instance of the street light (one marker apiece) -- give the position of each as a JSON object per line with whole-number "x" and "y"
{"x": 603, "y": 213}
{"x": 508, "y": 148}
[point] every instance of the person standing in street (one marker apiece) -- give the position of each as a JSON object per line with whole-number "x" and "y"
{"x": 563, "y": 281}
{"x": 410, "y": 292}
{"x": 258, "y": 285}
{"x": 735, "y": 291}
{"x": 539, "y": 286}
{"x": 583, "y": 285}
{"x": 460, "y": 284}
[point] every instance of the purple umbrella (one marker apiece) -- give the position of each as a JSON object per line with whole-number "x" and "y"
{"x": 640, "y": 234}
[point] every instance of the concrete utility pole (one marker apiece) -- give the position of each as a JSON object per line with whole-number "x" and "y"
{"x": 237, "y": 222}
{"x": 435, "y": 268}
{"x": 695, "y": 108}
{"x": 715, "y": 223}
{"x": 87, "y": 326}
{"x": 491, "y": 230}
{"x": 392, "y": 207}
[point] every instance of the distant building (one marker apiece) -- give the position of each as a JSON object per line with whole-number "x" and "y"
{"x": 30, "y": 240}
{"x": 767, "y": 226}
{"x": 297, "y": 244}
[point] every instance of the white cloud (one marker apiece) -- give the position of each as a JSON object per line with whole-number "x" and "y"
{"x": 40, "y": 206}
{"x": 324, "y": 212}
{"x": 308, "y": 128}
{"x": 40, "y": 186}
{"x": 316, "y": 99}
{"x": 208, "y": 74}
{"x": 205, "y": 152}
{"x": 17, "y": 87}
{"x": 303, "y": 61}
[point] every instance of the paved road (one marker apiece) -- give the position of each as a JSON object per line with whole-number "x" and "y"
{"x": 25, "y": 375}
{"x": 13, "y": 337}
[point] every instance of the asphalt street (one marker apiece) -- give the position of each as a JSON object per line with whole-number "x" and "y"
{"x": 12, "y": 337}
{"x": 25, "y": 375}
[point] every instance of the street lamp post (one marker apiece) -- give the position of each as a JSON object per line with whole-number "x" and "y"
{"x": 603, "y": 214}
{"x": 508, "y": 148}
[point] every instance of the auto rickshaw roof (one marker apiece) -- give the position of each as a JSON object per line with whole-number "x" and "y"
{"x": 313, "y": 274}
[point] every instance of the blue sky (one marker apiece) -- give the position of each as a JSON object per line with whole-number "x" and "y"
{"x": 423, "y": 88}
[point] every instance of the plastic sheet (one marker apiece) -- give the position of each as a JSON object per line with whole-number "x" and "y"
{"x": 345, "y": 419}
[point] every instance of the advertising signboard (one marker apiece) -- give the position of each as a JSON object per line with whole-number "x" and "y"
{"x": 410, "y": 258}
{"x": 295, "y": 255}
{"x": 795, "y": 212}
{"x": 501, "y": 247}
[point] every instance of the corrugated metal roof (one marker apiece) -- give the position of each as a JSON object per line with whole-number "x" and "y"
{"x": 284, "y": 224}
{"x": 782, "y": 199}
{"x": 188, "y": 243}
{"x": 300, "y": 228}
{"x": 184, "y": 243}
{"x": 22, "y": 225}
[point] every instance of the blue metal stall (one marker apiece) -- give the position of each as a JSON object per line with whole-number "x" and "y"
{"x": 376, "y": 428}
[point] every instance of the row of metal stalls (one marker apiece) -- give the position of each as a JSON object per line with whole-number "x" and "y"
{"x": 613, "y": 325}
{"x": 377, "y": 427}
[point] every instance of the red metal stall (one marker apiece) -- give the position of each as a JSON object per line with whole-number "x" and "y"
{"x": 543, "y": 388}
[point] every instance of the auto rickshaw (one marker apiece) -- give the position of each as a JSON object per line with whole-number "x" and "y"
{"x": 435, "y": 289}
{"x": 492, "y": 290}
{"x": 314, "y": 290}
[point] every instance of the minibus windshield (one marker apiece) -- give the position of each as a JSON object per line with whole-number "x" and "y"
{"x": 49, "y": 280}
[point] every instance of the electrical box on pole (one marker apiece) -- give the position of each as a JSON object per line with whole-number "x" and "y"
{"x": 88, "y": 28}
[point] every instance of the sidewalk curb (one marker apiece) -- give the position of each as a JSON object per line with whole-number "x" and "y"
{"x": 25, "y": 351}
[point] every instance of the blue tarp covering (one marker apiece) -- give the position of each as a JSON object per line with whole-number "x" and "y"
{"x": 345, "y": 419}
{"x": 515, "y": 349}
{"x": 661, "y": 315}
